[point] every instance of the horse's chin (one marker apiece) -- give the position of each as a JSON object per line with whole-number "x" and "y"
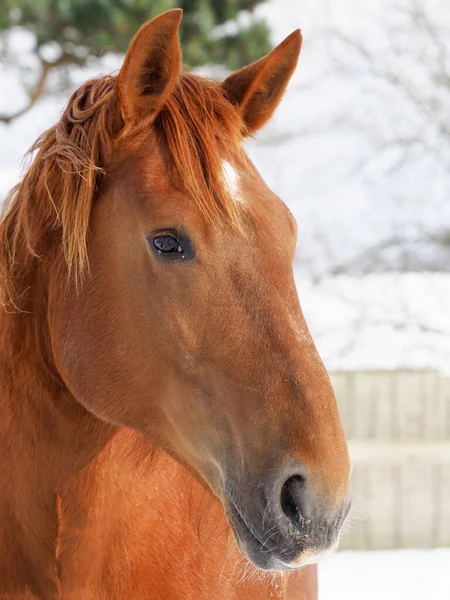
{"x": 263, "y": 559}
{"x": 250, "y": 546}
{"x": 272, "y": 557}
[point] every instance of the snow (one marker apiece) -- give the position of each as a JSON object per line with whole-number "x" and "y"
{"x": 382, "y": 321}
{"x": 386, "y": 575}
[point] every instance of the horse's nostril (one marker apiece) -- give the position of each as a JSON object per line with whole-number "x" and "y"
{"x": 291, "y": 498}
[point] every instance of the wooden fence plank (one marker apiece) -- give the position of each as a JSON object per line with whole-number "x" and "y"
{"x": 398, "y": 427}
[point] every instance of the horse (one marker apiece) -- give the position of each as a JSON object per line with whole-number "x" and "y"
{"x": 168, "y": 430}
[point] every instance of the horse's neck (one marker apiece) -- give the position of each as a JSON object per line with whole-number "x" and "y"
{"x": 45, "y": 437}
{"x": 73, "y": 489}
{"x": 139, "y": 519}
{"x": 41, "y": 423}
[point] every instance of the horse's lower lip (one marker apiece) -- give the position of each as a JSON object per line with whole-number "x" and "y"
{"x": 255, "y": 550}
{"x": 238, "y": 516}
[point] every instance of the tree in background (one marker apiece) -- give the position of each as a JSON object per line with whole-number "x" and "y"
{"x": 410, "y": 73}
{"x": 402, "y": 109}
{"x": 85, "y": 29}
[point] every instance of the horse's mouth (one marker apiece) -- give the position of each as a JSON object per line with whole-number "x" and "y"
{"x": 269, "y": 552}
{"x": 250, "y": 544}
{"x": 277, "y": 549}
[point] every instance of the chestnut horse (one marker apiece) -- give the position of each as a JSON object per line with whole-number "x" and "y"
{"x": 167, "y": 430}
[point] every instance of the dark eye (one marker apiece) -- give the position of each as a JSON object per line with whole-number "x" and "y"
{"x": 171, "y": 244}
{"x": 167, "y": 243}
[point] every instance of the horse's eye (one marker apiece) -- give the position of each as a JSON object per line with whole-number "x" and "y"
{"x": 171, "y": 244}
{"x": 167, "y": 243}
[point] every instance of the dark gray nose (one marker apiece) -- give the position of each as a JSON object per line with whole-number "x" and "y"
{"x": 278, "y": 520}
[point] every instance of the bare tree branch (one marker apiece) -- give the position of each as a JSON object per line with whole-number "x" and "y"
{"x": 39, "y": 88}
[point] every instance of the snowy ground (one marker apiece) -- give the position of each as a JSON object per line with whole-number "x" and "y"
{"x": 388, "y": 575}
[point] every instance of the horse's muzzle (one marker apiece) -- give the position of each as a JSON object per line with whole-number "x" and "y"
{"x": 284, "y": 525}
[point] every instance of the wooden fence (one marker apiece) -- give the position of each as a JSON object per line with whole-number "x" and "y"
{"x": 398, "y": 427}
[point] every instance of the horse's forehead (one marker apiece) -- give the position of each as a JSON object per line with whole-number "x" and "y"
{"x": 153, "y": 168}
{"x": 151, "y": 173}
{"x": 147, "y": 170}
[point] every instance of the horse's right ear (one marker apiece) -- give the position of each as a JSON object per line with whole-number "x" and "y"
{"x": 151, "y": 67}
{"x": 258, "y": 88}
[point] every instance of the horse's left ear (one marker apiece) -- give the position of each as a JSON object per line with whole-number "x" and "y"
{"x": 258, "y": 88}
{"x": 151, "y": 67}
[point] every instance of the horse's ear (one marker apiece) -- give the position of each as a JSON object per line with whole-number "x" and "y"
{"x": 258, "y": 88}
{"x": 151, "y": 67}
